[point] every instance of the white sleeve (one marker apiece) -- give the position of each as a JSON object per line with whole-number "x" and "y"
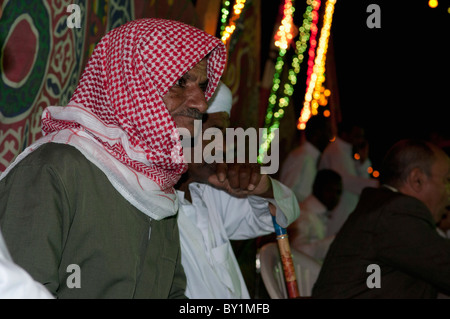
{"x": 250, "y": 217}
{"x": 317, "y": 249}
{"x": 303, "y": 185}
{"x": 290, "y": 170}
{"x": 15, "y": 282}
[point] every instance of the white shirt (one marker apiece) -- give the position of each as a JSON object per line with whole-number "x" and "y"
{"x": 206, "y": 227}
{"x": 299, "y": 170}
{"x": 308, "y": 233}
{"x": 338, "y": 157}
{"x": 15, "y": 282}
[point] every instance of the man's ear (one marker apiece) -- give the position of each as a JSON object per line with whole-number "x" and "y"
{"x": 416, "y": 179}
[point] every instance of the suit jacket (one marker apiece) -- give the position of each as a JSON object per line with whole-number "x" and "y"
{"x": 395, "y": 232}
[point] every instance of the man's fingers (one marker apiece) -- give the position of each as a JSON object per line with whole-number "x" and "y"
{"x": 238, "y": 178}
{"x": 233, "y": 175}
{"x": 221, "y": 171}
{"x": 245, "y": 173}
{"x": 245, "y": 177}
{"x": 255, "y": 177}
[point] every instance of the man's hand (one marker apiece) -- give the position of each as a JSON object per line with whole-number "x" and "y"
{"x": 241, "y": 180}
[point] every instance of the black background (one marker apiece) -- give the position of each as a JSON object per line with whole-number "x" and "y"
{"x": 395, "y": 79}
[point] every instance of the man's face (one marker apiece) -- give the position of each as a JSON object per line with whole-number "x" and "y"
{"x": 186, "y": 99}
{"x": 331, "y": 195}
{"x": 436, "y": 191}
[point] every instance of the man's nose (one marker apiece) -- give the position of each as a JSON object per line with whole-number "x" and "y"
{"x": 198, "y": 100}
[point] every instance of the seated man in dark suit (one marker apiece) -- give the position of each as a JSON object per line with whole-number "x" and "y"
{"x": 389, "y": 247}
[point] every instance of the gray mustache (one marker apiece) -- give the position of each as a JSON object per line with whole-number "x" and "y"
{"x": 194, "y": 113}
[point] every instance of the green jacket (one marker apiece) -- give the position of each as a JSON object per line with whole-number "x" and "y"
{"x": 58, "y": 212}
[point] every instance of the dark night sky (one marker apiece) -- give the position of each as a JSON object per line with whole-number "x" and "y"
{"x": 395, "y": 80}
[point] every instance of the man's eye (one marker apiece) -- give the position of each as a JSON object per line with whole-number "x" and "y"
{"x": 204, "y": 87}
{"x": 181, "y": 83}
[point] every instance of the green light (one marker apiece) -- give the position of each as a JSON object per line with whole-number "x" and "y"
{"x": 225, "y": 14}
{"x": 273, "y": 119}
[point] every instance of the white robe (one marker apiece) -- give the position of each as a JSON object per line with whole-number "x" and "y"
{"x": 299, "y": 170}
{"x": 308, "y": 233}
{"x": 206, "y": 227}
{"x": 338, "y": 157}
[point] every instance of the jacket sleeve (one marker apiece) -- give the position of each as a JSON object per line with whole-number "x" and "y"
{"x": 410, "y": 242}
{"x": 33, "y": 218}
{"x": 178, "y": 289}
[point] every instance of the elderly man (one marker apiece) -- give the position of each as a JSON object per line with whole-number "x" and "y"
{"x": 389, "y": 247}
{"x": 89, "y": 210}
{"x": 215, "y": 210}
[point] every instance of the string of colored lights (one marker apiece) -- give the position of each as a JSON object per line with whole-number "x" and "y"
{"x": 315, "y": 88}
{"x": 306, "y": 111}
{"x": 237, "y": 10}
{"x": 313, "y": 41}
{"x": 284, "y": 34}
{"x": 225, "y": 10}
{"x": 282, "y": 37}
{"x": 319, "y": 95}
{"x": 281, "y": 40}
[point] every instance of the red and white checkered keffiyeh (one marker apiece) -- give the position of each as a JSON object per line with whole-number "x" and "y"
{"x": 130, "y": 71}
{"x": 117, "y": 117}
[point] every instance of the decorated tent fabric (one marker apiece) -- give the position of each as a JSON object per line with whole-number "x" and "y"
{"x": 42, "y": 57}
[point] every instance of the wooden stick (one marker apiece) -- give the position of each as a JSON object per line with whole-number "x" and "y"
{"x": 286, "y": 260}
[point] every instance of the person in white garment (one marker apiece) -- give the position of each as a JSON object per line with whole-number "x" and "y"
{"x": 308, "y": 233}
{"x": 212, "y": 213}
{"x": 300, "y": 167}
{"x": 15, "y": 282}
{"x": 340, "y": 157}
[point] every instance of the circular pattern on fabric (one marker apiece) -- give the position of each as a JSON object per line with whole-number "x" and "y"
{"x": 25, "y": 39}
